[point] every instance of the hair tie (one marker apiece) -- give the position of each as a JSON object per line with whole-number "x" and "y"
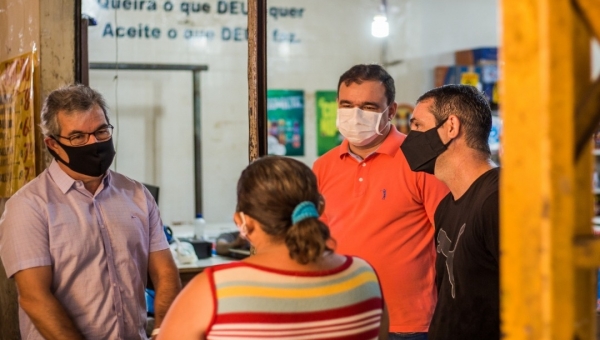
{"x": 303, "y": 211}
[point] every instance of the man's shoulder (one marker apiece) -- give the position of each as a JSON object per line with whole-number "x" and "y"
{"x": 483, "y": 189}
{"x": 334, "y": 153}
{"x": 488, "y": 186}
{"x": 328, "y": 158}
{"x": 119, "y": 180}
{"x": 34, "y": 188}
{"x": 490, "y": 201}
{"x": 128, "y": 189}
{"x": 27, "y": 207}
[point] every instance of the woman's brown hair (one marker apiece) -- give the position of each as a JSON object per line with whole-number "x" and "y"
{"x": 269, "y": 190}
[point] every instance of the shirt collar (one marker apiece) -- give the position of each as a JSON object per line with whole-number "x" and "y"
{"x": 64, "y": 181}
{"x": 389, "y": 146}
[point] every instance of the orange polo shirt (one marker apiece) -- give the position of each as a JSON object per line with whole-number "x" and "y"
{"x": 380, "y": 210}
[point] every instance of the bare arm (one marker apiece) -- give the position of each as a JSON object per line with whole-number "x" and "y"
{"x": 45, "y": 311}
{"x": 165, "y": 277}
{"x": 191, "y": 313}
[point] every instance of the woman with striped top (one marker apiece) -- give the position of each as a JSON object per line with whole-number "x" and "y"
{"x": 293, "y": 286}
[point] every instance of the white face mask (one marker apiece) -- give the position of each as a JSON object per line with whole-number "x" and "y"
{"x": 359, "y": 127}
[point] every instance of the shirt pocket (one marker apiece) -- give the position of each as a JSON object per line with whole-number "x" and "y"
{"x": 74, "y": 242}
{"x": 73, "y": 233}
{"x": 130, "y": 231}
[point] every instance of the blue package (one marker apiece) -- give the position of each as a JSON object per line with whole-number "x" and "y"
{"x": 168, "y": 233}
{"x": 485, "y": 53}
{"x": 150, "y": 301}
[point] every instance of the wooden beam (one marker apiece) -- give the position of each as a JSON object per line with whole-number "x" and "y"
{"x": 537, "y": 184}
{"x": 587, "y": 115}
{"x": 585, "y": 288}
{"x": 589, "y": 11}
{"x": 587, "y": 252}
{"x": 588, "y": 108}
{"x": 257, "y": 78}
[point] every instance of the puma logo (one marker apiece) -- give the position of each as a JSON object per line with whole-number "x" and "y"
{"x": 444, "y": 245}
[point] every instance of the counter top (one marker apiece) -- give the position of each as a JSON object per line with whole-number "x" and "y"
{"x": 199, "y": 265}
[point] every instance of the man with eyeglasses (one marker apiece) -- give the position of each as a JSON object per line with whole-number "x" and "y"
{"x": 80, "y": 240}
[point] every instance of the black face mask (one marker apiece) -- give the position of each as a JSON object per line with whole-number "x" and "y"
{"x": 422, "y": 149}
{"x": 91, "y": 159}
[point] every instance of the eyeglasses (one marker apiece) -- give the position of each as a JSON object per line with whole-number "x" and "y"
{"x": 81, "y": 138}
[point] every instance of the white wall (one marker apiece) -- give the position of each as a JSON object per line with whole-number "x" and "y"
{"x": 429, "y": 32}
{"x": 154, "y": 134}
{"x": 154, "y": 110}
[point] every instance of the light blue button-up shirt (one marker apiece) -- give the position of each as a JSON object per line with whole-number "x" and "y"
{"x": 97, "y": 244}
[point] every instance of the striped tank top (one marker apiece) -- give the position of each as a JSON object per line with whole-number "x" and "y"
{"x": 254, "y": 302}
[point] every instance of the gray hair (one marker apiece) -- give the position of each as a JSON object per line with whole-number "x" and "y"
{"x": 69, "y": 99}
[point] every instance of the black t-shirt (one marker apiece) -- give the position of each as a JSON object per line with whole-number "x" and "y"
{"x": 467, "y": 268}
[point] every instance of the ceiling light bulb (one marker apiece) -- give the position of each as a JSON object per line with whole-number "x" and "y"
{"x": 380, "y": 28}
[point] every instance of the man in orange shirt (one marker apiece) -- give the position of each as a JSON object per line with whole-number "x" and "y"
{"x": 376, "y": 207}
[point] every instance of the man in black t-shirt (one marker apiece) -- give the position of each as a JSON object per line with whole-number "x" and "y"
{"x": 449, "y": 138}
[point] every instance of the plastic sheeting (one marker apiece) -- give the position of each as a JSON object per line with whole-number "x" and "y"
{"x": 17, "y": 127}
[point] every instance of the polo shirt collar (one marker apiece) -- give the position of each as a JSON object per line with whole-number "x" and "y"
{"x": 64, "y": 181}
{"x": 390, "y": 145}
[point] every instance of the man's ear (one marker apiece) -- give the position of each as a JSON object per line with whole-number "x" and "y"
{"x": 51, "y": 143}
{"x": 392, "y": 110}
{"x": 454, "y": 126}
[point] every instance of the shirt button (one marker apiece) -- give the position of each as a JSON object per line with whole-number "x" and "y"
{"x": 360, "y": 179}
{"x": 364, "y": 164}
